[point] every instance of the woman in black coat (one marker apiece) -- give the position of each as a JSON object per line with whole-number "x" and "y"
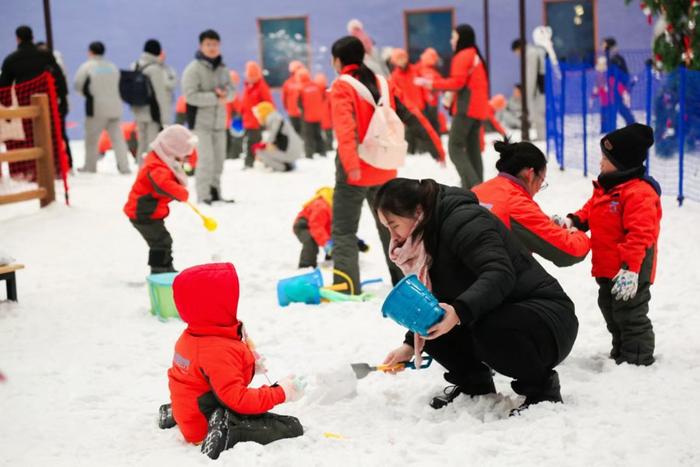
{"x": 503, "y": 311}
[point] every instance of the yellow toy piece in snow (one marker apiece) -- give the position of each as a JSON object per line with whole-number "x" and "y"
{"x": 209, "y": 223}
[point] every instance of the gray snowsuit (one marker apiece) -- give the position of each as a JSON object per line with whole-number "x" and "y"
{"x": 206, "y": 116}
{"x": 536, "y": 60}
{"x": 98, "y": 80}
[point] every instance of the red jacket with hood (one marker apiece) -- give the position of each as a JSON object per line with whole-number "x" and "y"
{"x": 403, "y": 78}
{"x": 253, "y": 94}
{"x": 290, "y": 96}
{"x": 212, "y": 365}
{"x": 469, "y": 82}
{"x": 319, "y": 216}
{"x": 351, "y": 115}
{"x": 155, "y": 187}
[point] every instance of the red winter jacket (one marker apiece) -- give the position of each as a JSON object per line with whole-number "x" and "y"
{"x": 319, "y": 215}
{"x": 253, "y": 94}
{"x": 469, "y": 81}
{"x": 432, "y": 98}
{"x": 311, "y": 102}
{"x": 624, "y": 220}
{"x": 212, "y": 366}
{"x": 351, "y": 115}
{"x": 290, "y": 96}
{"x": 507, "y": 199}
{"x": 403, "y": 79}
{"x": 155, "y": 187}
{"x": 326, "y": 119}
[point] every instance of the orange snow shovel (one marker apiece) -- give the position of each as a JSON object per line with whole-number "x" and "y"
{"x": 363, "y": 369}
{"x": 209, "y": 223}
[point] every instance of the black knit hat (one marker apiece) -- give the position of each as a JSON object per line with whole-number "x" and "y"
{"x": 152, "y": 46}
{"x": 627, "y": 147}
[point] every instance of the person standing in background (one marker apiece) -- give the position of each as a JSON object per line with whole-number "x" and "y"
{"x": 326, "y": 120}
{"x": 427, "y": 68}
{"x": 290, "y": 95}
{"x": 255, "y": 92}
{"x": 536, "y": 59}
{"x": 373, "y": 57}
{"x": 311, "y": 105}
{"x": 151, "y": 119}
{"x": 98, "y": 80}
{"x": 403, "y": 75}
{"x": 618, "y": 83}
{"x": 207, "y": 87}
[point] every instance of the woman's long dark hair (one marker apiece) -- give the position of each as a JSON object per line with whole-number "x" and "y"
{"x": 515, "y": 157}
{"x": 466, "y": 39}
{"x": 350, "y": 51}
{"x": 402, "y": 196}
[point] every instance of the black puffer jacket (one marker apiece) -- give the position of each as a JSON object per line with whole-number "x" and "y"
{"x": 479, "y": 266}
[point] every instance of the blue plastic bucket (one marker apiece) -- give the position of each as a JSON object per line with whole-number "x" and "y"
{"x": 412, "y": 305}
{"x": 160, "y": 290}
{"x": 304, "y": 288}
{"x": 237, "y": 126}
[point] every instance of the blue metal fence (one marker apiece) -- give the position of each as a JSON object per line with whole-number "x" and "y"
{"x": 585, "y": 102}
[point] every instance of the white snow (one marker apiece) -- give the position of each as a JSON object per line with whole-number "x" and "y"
{"x": 86, "y": 363}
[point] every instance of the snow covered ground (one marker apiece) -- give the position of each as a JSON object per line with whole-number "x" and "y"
{"x": 86, "y": 363}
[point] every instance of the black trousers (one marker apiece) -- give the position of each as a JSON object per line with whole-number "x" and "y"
{"x": 251, "y": 137}
{"x": 465, "y": 150}
{"x": 296, "y": 124}
{"x": 160, "y": 244}
{"x": 313, "y": 141}
{"x": 309, "y": 248}
{"x": 512, "y": 340}
{"x": 632, "y": 333}
{"x": 328, "y": 139}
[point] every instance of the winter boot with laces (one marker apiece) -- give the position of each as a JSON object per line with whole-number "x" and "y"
{"x": 165, "y": 417}
{"x": 476, "y": 384}
{"x": 217, "y": 434}
{"x": 547, "y": 391}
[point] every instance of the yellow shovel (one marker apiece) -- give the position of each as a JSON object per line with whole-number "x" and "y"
{"x": 209, "y": 223}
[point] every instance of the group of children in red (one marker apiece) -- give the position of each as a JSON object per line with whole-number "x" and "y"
{"x": 214, "y": 361}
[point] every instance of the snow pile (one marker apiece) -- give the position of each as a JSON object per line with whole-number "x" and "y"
{"x": 86, "y": 363}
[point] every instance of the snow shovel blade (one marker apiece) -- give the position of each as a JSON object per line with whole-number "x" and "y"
{"x": 363, "y": 369}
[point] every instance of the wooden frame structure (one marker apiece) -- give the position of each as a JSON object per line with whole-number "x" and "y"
{"x": 261, "y": 46}
{"x": 594, "y": 5}
{"x": 42, "y": 152}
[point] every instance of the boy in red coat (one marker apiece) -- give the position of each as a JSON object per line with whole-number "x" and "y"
{"x": 160, "y": 180}
{"x": 255, "y": 91}
{"x": 623, "y": 215}
{"x": 213, "y": 366}
{"x": 311, "y": 103}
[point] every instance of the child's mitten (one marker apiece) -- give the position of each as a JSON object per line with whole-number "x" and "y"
{"x": 625, "y": 285}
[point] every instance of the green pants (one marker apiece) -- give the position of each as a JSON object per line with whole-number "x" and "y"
{"x": 347, "y": 208}
{"x": 465, "y": 150}
{"x": 631, "y": 329}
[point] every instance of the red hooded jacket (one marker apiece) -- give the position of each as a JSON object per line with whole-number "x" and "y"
{"x": 403, "y": 78}
{"x": 253, "y": 94}
{"x": 211, "y": 365}
{"x": 507, "y": 198}
{"x": 469, "y": 81}
{"x": 155, "y": 187}
{"x": 351, "y": 115}
{"x": 311, "y": 101}
{"x": 624, "y": 221}
{"x": 319, "y": 215}
{"x": 290, "y": 96}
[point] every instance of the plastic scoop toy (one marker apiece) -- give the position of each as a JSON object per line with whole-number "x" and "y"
{"x": 209, "y": 223}
{"x": 363, "y": 369}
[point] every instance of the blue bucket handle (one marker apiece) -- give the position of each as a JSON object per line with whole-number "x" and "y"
{"x": 427, "y": 360}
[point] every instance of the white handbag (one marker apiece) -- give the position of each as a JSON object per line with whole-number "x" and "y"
{"x": 11, "y": 129}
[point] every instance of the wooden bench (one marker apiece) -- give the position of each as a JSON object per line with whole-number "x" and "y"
{"x": 7, "y": 274}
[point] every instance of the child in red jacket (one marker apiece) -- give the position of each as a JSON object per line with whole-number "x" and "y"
{"x": 160, "y": 180}
{"x": 623, "y": 215}
{"x": 213, "y": 365}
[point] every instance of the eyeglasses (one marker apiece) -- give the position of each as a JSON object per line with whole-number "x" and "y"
{"x": 544, "y": 183}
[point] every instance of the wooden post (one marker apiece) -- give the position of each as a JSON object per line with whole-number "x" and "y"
{"x": 525, "y": 122}
{"x": 47, "y": 24}
{"x": 45, "y": 170}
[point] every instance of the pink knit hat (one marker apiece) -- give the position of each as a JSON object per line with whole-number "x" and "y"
{"x": 174, "y": 142}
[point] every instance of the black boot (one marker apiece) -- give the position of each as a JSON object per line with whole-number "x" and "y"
{"x": 165, "y": 417}
{"x": 476, "y": 384}
{"x": 262, "y": 429}
{"x": 548, "y": 390}
{"x": 216, "y": 440}
{"x": 216, "y": 196}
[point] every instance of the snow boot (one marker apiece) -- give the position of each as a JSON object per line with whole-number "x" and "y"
{"x": 165, "y": 417}
{"x": 262, "y": 429}
{"x": 216, "y": 196}
{"x": 547, "y": 391}
{"x": 216, "y": 440}
{"x": 476, "y": 384}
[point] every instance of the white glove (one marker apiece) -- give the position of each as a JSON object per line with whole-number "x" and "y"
{"x": 564, "y": 222}
{"x": 260, "y": 363}
{"x": 293, "y": 387}
{"x": 625, "y": 285}
{"x": 423, "y": 82}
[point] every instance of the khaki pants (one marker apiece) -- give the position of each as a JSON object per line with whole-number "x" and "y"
{"x": 93, "y": 129}
{"x": 210, "y": 163}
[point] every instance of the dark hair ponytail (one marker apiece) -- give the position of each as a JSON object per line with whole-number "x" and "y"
{"x": 515, "y": 157}
{"x": 467, "y": 38}
{"x": 403, "y": 196}
{"x": 350, "y": 51}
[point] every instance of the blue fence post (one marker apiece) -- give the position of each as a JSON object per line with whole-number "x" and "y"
{"x": 681, "y": 134}
{"x": 562, "y": 115}
{"x": 584, "y": 110}
{"x": 649, "y": 77}
{"x": 549, "y": 99}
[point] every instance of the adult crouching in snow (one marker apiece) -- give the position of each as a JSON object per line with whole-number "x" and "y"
{"x": 522, "y": 169}
{"x": 503, "y": 311}
{"x": 468, "y": 102}
{"x": 160, "y": 180}
{"x": 281, "y": 146}
{"x": 356, "y": 179}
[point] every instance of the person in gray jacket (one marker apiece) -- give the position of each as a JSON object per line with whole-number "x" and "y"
{"x": 281, "y": 145}
{"x": 151, "y": 119}
{"x": 535, "y": 61}
{"x": 207, "y": 87}
{"x": 98, "y": 80}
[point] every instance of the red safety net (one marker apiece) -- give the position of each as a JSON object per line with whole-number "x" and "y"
{"x": 26, "y": 170}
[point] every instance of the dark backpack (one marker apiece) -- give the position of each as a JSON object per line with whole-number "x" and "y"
{"x": 135, "y": 88}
